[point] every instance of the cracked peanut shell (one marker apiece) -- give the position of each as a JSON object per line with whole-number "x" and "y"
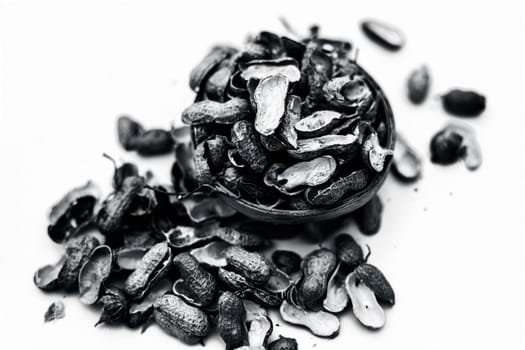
{"x": 94, "y": 273}
{"x": 331, "y": 192}
{"x": 270, "y": 99}
{"x": 310, "y": 173}
{"x": 323, "y": 145}
{"x": 77, "y": 253}
{"x": 364, "y": 303}
{"x": 200, "y": 282}
{"x": 149, "y": 269}
{"x": 320, "y": 323}
{"x": 252, "y": 265}
{"x": 376, "y": 281}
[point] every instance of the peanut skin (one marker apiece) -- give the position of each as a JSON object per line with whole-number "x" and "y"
{"x": 317, "y": 268}
{"x": 175, "y": 317}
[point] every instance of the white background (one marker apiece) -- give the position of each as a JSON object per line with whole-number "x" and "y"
{"x": 451, "y": 245}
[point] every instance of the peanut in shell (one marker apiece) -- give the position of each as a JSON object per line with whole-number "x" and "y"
{"x": 188, "y": 323}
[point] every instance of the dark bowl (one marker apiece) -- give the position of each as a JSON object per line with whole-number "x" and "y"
{"x": 345, "y": 206}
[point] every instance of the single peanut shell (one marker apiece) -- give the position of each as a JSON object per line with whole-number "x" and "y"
{"x": 93, "y": 274}
{"x": 309, "y": 173}
{"x": 364, "y": 303}
{"x": 283, "y": 343}
{"x": 376, "y": 281}
{"x": 202, "y": 70}
{"x": 248, "y": 146}
{"x": 336, "y": 298}
{"x": 199, "y": 281}
{"x": 148, "y": 269}
{"x": 175, "y": 317}
{"x": 317, "y": 267}
{"x": 232, "y": 328}
{"x": 286, "y": 131}
{"x": 320, "y": 323}
{"x": 209, "y": 111}
{"x": 327, "y": 144}
{"x": 348, "y": 251}
{"x": 211, "y": 254}
{"x": 254, "y": 266}
{"x": 260, "y": 69}
{"x": 270, "y": 99}
{"x": 113, "y": 208}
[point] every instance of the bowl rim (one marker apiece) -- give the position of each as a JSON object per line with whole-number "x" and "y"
{"x": 348, "y": 205}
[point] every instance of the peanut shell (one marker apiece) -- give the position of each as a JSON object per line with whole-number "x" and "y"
{"x": 183, "y": 321}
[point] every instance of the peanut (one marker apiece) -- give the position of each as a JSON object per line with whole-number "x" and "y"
{"x": 232, "y": 328}
{"x": 113, "y": 209}
{"x": 348, "y": 251}
{"x": 376, "y": 281}
{"x": 149, "y": 269}
{"x": 188, "y": 323}
{"x": 77, "y": 253}
{"x": 253, "y": 266}
{"x": 317, "y": 268}
{"x": 244, "y": 288}
{"x": 368, "y": 217}
{"x": 283, "y": 343}
{"x": 199, "y": 281}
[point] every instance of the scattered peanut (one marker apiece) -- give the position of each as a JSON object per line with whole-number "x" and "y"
{"x": 317, "y": 268}
{"x": 181, "y": 320}
{"x": 254, "y": 266}
{"x": 199, "y": 281}
{"x": 231, "y": 321}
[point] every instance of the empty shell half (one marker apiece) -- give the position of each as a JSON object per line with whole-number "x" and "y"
{"x": 93, "y": 274}
{"x": 364, "y": 303}
{"x": 320, "y": 323}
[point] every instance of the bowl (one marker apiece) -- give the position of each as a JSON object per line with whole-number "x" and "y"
{"x": 344, "y": 207}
